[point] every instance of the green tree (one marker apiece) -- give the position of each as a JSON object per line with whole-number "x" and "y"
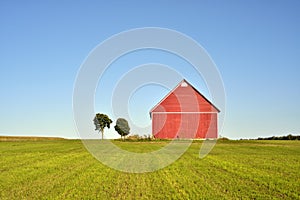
{"x": 101, "y": 121}
{"x": 122, "y": 127}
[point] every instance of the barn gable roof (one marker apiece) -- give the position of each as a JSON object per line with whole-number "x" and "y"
{"x": 178, "y": 85}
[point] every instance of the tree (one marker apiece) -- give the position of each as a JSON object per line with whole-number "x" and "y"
{"x": 122, "y": 127}
{"x": 101, "y": 121}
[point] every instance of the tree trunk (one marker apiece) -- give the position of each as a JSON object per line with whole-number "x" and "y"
{"x": 101, "y": 133}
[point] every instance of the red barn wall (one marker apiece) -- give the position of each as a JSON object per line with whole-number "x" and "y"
{"x": 184, "y": 113}
{"x": 184, "y": 99}
{"x": 186, "y": 125}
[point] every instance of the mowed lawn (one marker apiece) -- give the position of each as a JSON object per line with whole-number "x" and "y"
{"x": 64, "y": 169}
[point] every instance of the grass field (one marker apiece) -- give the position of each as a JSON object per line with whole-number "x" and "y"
{"x": 64, "y": 169}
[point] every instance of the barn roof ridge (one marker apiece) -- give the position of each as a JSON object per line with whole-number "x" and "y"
{"x": 183, "y": 80}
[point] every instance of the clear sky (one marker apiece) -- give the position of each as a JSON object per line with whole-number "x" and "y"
{"x": 255, "y": 45}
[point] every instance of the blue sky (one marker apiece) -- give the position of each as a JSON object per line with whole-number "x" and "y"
{"x": 255, "y": 45}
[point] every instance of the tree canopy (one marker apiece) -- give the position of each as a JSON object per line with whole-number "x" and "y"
{"x": 122, "y": 127}
{"x": 101, "y": 121}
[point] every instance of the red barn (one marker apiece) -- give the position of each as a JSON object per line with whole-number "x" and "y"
{"x": 184, "y": 113}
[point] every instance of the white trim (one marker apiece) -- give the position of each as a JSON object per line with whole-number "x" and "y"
{"x": 181, "y": 112}
{"x": 183, "y": 84}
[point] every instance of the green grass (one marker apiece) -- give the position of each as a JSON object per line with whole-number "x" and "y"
{"x": 64, "y": 169}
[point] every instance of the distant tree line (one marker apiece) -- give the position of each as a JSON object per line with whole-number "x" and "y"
{"x": 287, "y": 137}
{"x": 137, "y": 137}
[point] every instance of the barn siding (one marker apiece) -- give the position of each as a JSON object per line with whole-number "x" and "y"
{"x": 185, "y": 99}
{"x": 184, "y": 125}
{"x": 184, "y": 113}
